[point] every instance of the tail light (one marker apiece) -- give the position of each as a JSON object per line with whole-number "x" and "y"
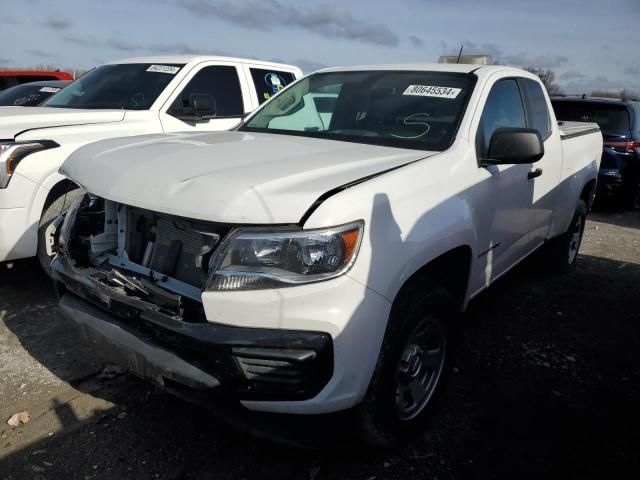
{"x": 623, "y": 147}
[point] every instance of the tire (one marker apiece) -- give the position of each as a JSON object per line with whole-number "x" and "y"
{"x": 563, "y": 250}
{"x": 59, "y": 205}
{"x": 391, "y": 412}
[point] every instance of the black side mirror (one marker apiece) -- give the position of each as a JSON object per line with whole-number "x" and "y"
{"x": 514, "y": 146}
{"x": 203, "y": 105}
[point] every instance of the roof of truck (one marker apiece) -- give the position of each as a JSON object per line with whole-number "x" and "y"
{"x": 431, "y": 67}
{"x": 184, "y": 59}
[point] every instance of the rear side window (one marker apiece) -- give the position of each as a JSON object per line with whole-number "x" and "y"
{"x": 537, "y": 107}
{"x": 270, "y": 82}
{"x": 503, "y": 109}
{"x": 221, "y": 82}
{"x": 610, "y": 117}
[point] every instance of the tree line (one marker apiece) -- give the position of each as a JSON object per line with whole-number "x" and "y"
{"x": 548, "y": 78}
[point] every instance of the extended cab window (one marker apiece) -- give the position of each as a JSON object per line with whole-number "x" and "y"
{"x": 270, "y": 82}
{"x": 503, "y": 109}
{"x": 221, "y": 84}
{"x": 406, "y": 109}
{"x": 537, "y": 107}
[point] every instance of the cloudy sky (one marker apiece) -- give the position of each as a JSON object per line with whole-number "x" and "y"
{"x": 588, "y": 43}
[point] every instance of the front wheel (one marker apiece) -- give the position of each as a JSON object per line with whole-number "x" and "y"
{"x": 411, "y": 368}
{"x": 563, "y": 250}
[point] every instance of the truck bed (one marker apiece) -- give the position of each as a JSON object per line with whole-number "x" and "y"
{"x": 576, "y": 129}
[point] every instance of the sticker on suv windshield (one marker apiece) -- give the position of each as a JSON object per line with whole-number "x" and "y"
{"x": 432, "y": 91}
{"x": 163, "y": 69}
{"x": 50, "y": 89}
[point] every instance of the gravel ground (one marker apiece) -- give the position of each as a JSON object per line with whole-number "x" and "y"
{"x": 546, "y": 383}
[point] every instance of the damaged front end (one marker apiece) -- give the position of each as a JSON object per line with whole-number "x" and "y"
{"x": 132, "y": 280}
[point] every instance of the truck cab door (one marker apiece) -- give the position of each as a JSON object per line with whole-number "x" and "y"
{"x": 548, "y": 170}
{"x": 504, "y": 201}
{"x": 213, "y": 97}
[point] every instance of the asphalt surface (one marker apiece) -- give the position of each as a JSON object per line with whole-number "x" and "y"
{"x": 546, "y": 384}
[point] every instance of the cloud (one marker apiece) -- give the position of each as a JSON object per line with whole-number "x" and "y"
{"x": 539, "y": 61}
{"x": 492, "y": 49}
{"x": 4, "y": 61}
{"x": 180, "y": 49}
{"x": 308, "y": 66}
{"x": 333, "y": 21}
{"x": 40, "y": 53}
{"x": 82, "y": 40}
{"x": 416, "y": 41}
{"x": 632, "y": 71}
{"x": 57, "y": 23}
{"x": 572, "y": 74}
{"x": 599, "y": 82}
{"x": 123, "y": 45}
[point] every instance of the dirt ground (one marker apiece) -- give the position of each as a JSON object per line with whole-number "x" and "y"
{"x": 546, "y": 384}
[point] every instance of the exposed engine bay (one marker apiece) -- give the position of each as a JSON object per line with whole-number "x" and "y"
{"x": 157, "y": 258}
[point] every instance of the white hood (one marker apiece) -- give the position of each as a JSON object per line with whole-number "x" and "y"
{"x": 14, "y": 120}
{"x": 234, "y": 177}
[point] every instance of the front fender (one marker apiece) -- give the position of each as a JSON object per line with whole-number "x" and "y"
{"x": 406, "y": 227}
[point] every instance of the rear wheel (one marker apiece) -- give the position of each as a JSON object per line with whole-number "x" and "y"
{"x": 563, "y": 250}
{"x": 411, "y": 368}
{"x": 55, "y": 208}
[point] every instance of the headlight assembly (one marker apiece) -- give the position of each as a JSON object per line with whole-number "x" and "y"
{"x": 11, "y": 153}
{"x": 251, "y": 259}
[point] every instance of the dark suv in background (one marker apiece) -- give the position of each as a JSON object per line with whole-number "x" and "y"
{"x": 619, "y": 120}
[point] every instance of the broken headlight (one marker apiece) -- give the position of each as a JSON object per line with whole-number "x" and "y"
{"x": 253, "y": 259}
{"x": 12, "y": 153}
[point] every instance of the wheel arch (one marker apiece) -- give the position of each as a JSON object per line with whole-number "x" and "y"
{"x": 588, "y": 193}
{"x": 450, "y": 270}
{"x": 53, "y": 186}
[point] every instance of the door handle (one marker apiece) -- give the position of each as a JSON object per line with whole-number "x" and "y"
{"x": 534, "y": 173}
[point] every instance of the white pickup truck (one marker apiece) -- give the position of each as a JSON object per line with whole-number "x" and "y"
{"x": 126, "y": 97}
{"x": 314, "y": 259}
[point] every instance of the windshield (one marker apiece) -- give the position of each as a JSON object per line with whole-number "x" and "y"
{"x": 129, "y": 86}
{"x": 406, "y": 109}
{"x": 26, "y": 95}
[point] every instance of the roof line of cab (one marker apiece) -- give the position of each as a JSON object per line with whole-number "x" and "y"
{"x": 187, "y": 59}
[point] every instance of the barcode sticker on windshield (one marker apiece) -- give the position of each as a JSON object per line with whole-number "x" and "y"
{"x": 163, "y": 69}
{"x": 431, "y": 91}
{"x": 50, "y": 89}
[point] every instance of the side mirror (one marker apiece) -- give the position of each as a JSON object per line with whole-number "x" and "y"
{"x": 203, "y": 105}
{"x": 514, "y": 146}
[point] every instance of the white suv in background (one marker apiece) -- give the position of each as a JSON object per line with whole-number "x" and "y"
{"x": 125, "y": 97}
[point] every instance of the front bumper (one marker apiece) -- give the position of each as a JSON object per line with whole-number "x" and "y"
{"x": 18, "y": 230}
{"x": 195, "y": 358}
